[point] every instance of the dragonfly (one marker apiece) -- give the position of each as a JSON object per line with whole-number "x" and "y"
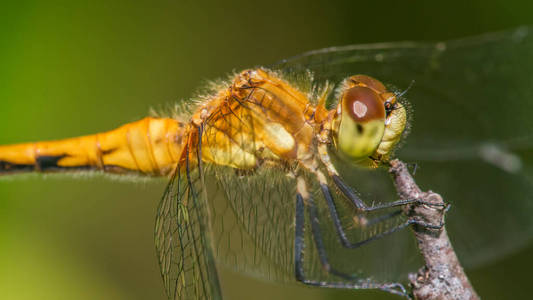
{"x": 278, "y": 172}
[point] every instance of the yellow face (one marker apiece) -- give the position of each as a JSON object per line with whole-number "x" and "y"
{"x": 368, "y": 123}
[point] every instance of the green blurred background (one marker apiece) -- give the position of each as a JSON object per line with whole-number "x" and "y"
{"x": 71, "y": 68}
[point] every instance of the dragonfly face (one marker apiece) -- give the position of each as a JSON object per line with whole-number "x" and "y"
{"x": 368, "y": 121}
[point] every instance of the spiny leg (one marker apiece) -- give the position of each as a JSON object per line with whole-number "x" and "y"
{"x": 342, "y": 234}
{"x": 382, "y": 218}
{"x": 348, "y": 192}
{"x": 322, "y": 180}
{"x": 361, "y": 206}
{"x": 299, "y": 242}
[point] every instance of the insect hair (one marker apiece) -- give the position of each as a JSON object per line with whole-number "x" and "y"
{"x": 183, "y": 109}
{"x": 400, "y": 97}
{"x": 306, "y": 83}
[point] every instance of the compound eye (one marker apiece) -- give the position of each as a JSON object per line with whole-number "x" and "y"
{"x": 368, "y": 81}
{"x": 363, "y": 104}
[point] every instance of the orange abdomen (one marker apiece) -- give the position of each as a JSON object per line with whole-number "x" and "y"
{"x": 150, "y": 146}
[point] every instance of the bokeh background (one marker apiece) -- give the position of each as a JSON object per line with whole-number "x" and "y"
{"x": 78, "y": 67}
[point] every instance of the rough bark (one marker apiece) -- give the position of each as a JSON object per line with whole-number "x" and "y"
{"x": 442, "y": 277}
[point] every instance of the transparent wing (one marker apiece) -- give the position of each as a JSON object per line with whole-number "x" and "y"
{"x": 253, "y": 222}
{"x": 470, "y": 132}
{"x": 182, "y": 239}
{"x": 253, "y": 225}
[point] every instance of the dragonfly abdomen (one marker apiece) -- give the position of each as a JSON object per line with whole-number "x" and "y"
{"x": 149, "y": 146}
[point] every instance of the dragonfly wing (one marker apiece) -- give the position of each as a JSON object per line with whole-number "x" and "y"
{"x": 253, "y": 224}
{"x": 182, "y": 241}
{"x": 470, "y": 129}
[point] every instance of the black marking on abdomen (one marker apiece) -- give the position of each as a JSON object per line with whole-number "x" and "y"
{"x": 49, "y": 163}
{"x": 46, "y": 162}
{"x": 7, "y": 167}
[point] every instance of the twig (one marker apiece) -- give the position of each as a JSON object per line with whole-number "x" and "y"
{"x": 443, "y": 276}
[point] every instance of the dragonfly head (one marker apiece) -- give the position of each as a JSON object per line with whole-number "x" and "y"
{"x": 368, "y": 122}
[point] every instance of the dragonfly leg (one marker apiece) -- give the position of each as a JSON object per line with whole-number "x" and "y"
{"x": 342, "y": 234}
{"x": 299, "y": 242}
{"x": 349, "y": 193}
{"x": 364, "y": 221}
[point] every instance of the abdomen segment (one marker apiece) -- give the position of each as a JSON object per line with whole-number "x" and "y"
{"x": 150, "y": 146}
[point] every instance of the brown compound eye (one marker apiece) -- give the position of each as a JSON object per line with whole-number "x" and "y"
{"x": 363, "y": 104}
{"x": 370, "y": 82}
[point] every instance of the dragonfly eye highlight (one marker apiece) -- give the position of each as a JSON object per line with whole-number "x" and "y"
{"x": 363, "y": 104}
